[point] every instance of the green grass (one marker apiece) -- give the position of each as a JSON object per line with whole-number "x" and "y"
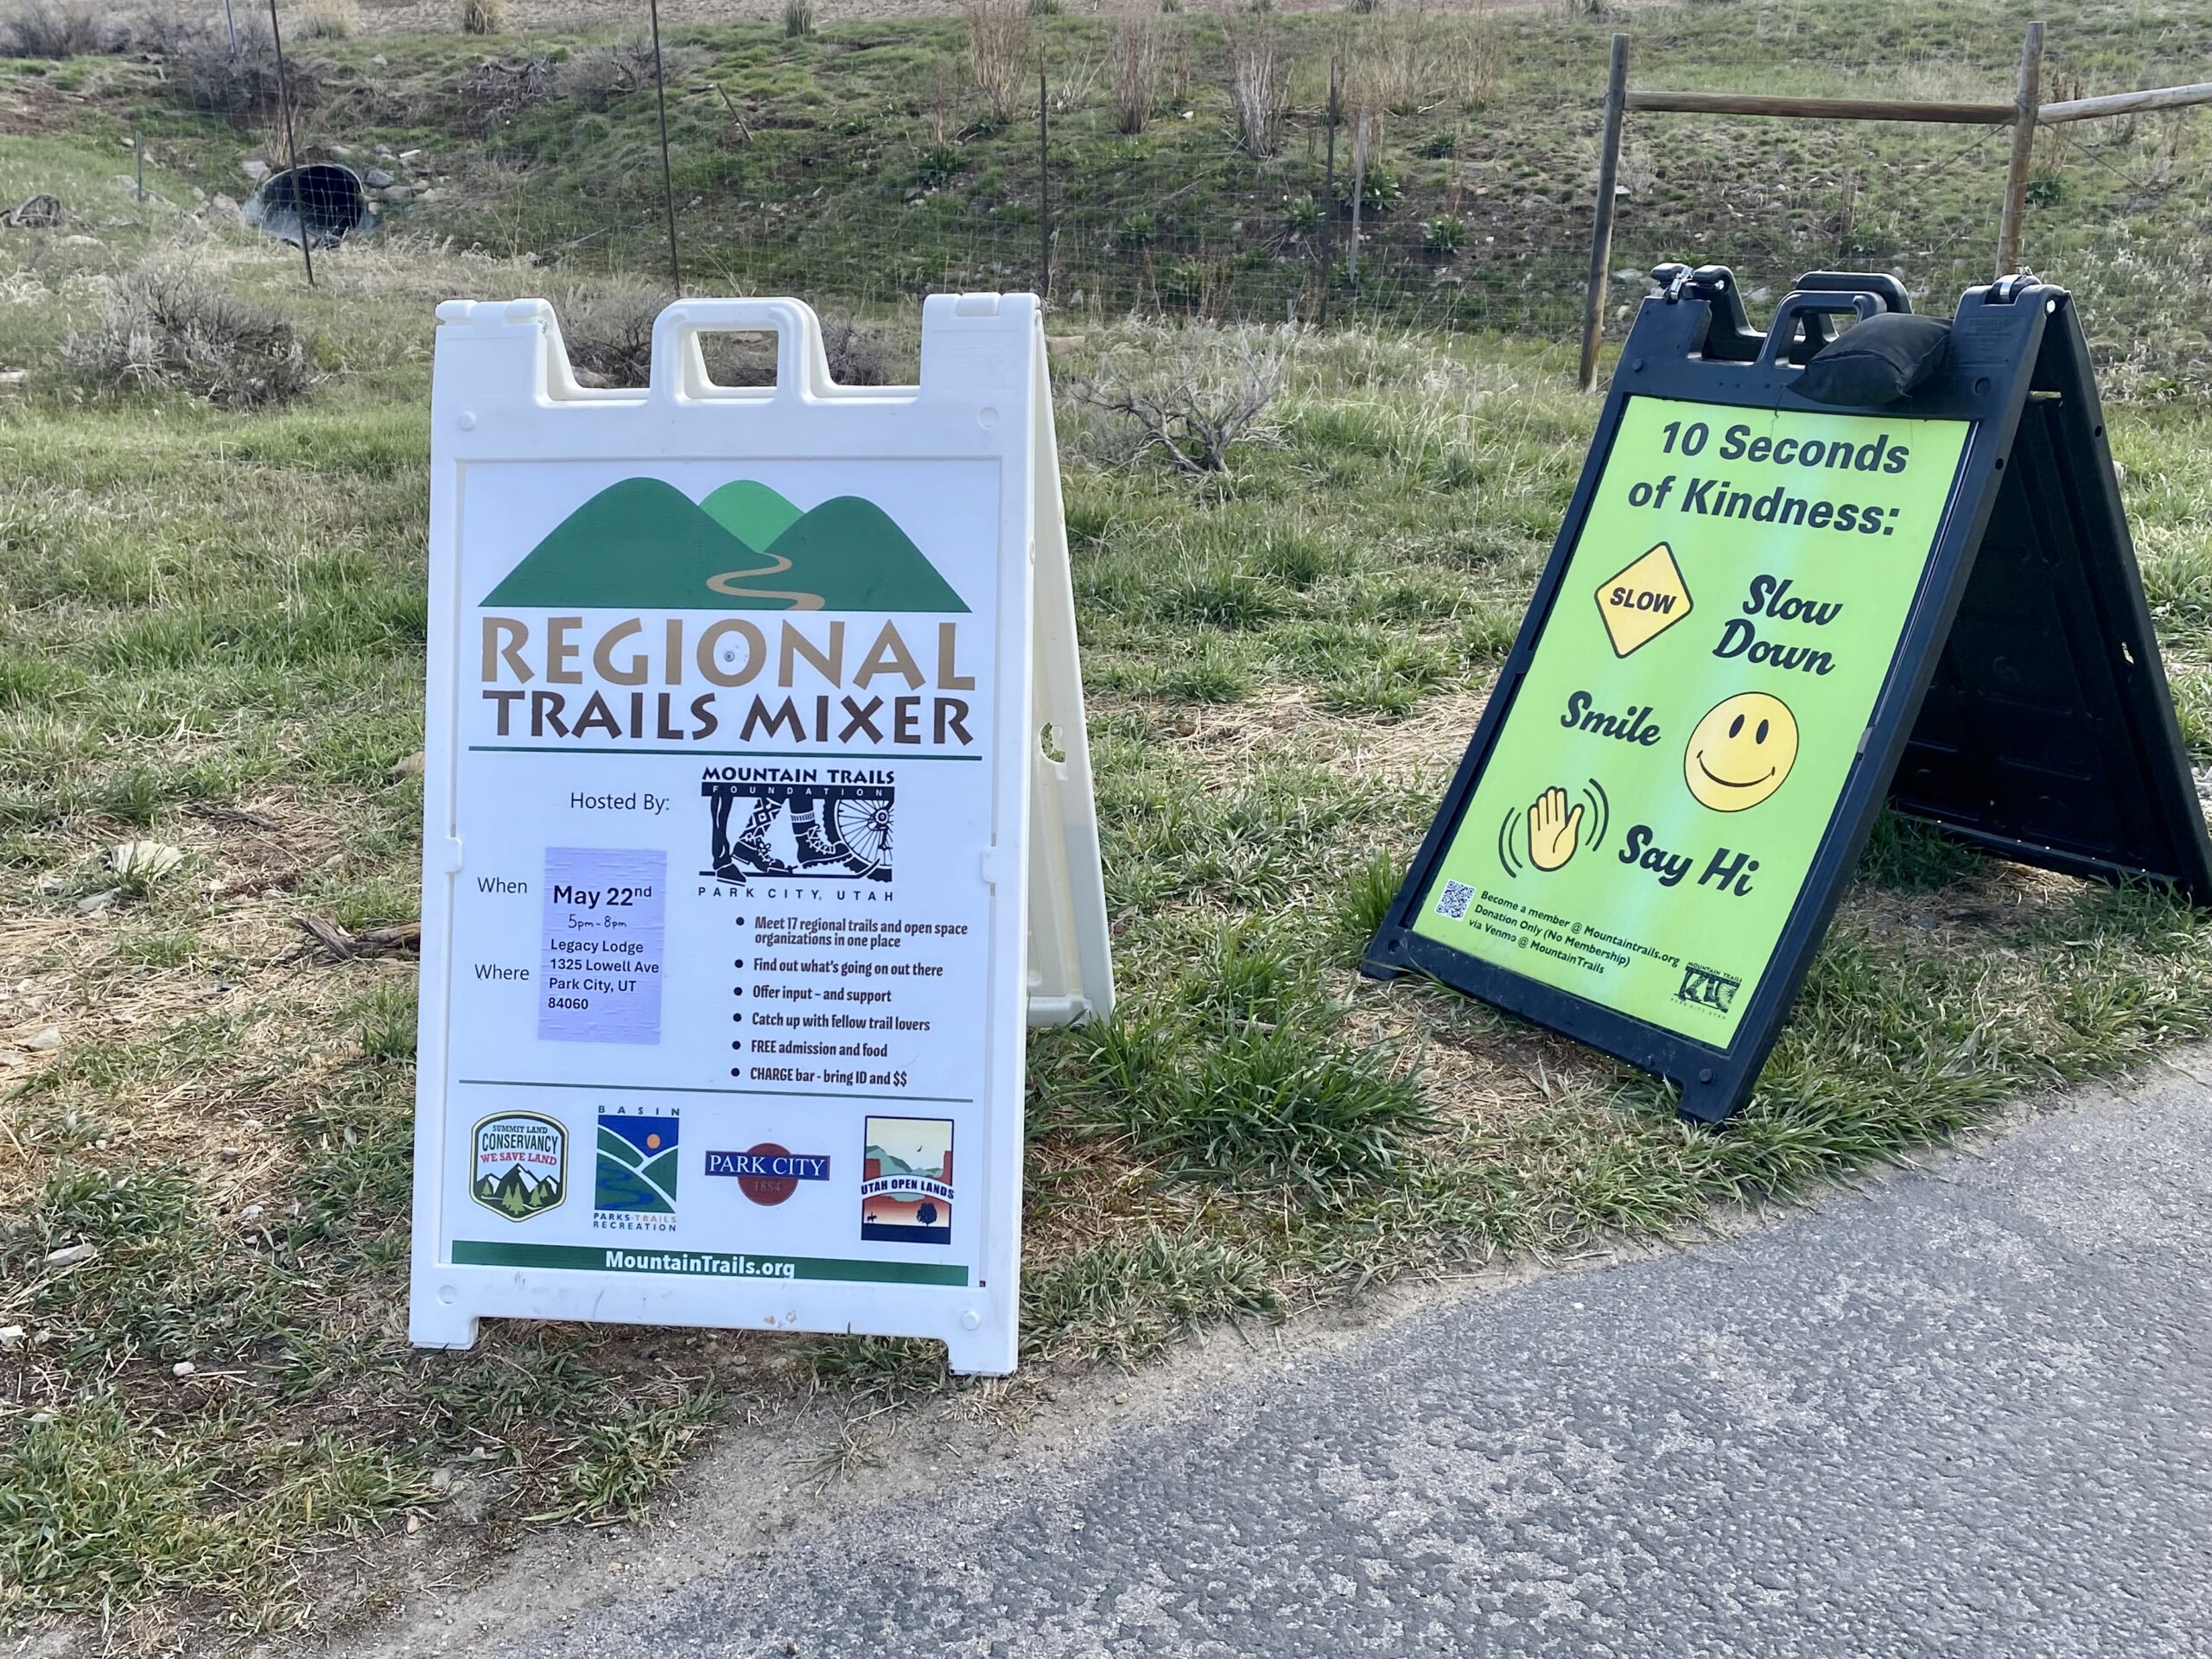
{"x": 211, "y": 633}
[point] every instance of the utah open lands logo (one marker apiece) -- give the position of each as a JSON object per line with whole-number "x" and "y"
{"x": 906, "y": 1181}
{"x": 642, "y": 545}
{"x": 520, "y": 1164}
{"x": 633, "y": 1188}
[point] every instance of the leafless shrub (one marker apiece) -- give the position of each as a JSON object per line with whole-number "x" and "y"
{"x": 166, "y": 328}
{"x": 493, "y": 92}
{"x": 798, "y": 19}
{"x": 998, "y": 54}
{"x": 1140, "y": 49}
{"x": 330, "y": 20}
{"x": 483, "y": 16}
{"x": 857, "y": 356}
{"x": 608, "y": 329}
{"x": 52, "y": 28}
{"x": 597, "y": 77}
{"x": 1195, "y": 393}
{"x": 1259, "y": 84}
{"x": 204, "y": 68}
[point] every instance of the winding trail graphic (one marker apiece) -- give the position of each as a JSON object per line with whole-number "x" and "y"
{"x": 725, "y": 582}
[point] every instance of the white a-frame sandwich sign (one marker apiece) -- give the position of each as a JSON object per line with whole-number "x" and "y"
{"x": 757, "y": 828}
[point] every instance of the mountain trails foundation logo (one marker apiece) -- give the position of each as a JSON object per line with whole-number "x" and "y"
{"x": 633, "y": 1185}
{"x": 642, "y": 545}
{"x": 520, "y": 1164}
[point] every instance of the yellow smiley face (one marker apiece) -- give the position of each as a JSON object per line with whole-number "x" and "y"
{"x": 1741, "y": 751}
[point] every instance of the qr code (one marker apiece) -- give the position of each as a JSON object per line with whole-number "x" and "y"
{"x": 1453, "y": 901}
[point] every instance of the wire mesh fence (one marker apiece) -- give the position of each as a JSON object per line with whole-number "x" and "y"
{"x": 1424, "y": 169}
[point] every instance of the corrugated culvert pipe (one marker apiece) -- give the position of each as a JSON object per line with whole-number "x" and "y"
{"x": 322, "y": 201}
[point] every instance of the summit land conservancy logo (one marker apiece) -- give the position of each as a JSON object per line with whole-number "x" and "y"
{"x": 520, "y": 1164}
{"x": 642, "y": 545}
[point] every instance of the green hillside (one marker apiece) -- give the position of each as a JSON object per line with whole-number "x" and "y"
{"x": 752, "y": 513}
{"x": 642, "y": 545}
{"x": 639, "y": 544}
{"x": 849, "y": 551}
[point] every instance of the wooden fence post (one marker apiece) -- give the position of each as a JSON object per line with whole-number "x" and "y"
{"x": 2027, "y": 103}
{"x": 1601, "y": 234}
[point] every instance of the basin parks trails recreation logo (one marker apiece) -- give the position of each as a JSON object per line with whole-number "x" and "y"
{"x": 633, "y": 1188}
{"x": 521, "y": 1163}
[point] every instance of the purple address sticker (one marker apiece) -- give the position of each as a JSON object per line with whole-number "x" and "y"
{"x": 602, "y": 937}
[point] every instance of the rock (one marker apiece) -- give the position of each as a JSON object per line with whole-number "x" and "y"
{"x": 222, "y": 204}
{"x": 376, "y": 178}
{"x": 81, "y": 240}
{"x": 410, "y": 767}
{"x": 70, "y": 1255}
{"x": 147, "y": 860}
{"x": 441, "y": 1480}
{"x": 339, "y": 152}
{"x": 256, "y": 169}
{"x": 14, "y": 377}
{"x": 44, "y": 1040}
{"x": 92, "y": 903}
{"x": 431, "y": 195}
{"x": 1630, "y": 276}
{"x": 250, "y": 1212}
{"x": 397, "y": 194}
{"x": 182, "y": 1368}
{"x": 11, "y": 1336}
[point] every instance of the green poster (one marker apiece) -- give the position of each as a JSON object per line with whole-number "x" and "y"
{"x": 1654, "y": 799}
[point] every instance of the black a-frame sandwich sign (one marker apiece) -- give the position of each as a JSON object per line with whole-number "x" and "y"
{"x": 1803, "y": 572}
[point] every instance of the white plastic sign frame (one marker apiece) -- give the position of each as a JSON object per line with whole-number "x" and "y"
{"x": 653, "y": 843}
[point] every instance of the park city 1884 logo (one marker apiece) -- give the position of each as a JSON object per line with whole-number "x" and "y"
{"x": 520, "y": 1164}
{"x": 634, "y": 1182}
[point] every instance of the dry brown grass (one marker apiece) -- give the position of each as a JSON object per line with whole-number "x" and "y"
{"x": 1259, "y": 84}
{"x": 330, "y": 20}
{"x": 483, "y": 16}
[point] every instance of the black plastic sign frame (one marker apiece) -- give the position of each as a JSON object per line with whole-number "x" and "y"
{"x": 2023, "y": 710}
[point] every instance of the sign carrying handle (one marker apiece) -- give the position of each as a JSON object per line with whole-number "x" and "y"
{"x": 679, "y": 369}
{"x": 1813, "y": 310}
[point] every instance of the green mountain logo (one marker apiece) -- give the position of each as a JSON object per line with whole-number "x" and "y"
{"x": 642, "y": 545}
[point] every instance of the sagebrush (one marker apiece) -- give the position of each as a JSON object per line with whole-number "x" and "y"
{"x": 162, "y": 328}
{"x": 1193, "y": 393}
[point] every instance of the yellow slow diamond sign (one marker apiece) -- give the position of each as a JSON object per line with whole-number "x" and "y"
{"x": 1644, "y": 601}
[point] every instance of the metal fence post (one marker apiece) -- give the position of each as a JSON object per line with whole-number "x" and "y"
{"x": 667, "y": 175}
{"x": 2027, "y": 100}
{"x": 1358, "y": 189}
{"x": 1601, "y": 234}
{"x": 1329, "y": 197}
{"x": 291, "y": 143}
{"x": 1044, "y": 189}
